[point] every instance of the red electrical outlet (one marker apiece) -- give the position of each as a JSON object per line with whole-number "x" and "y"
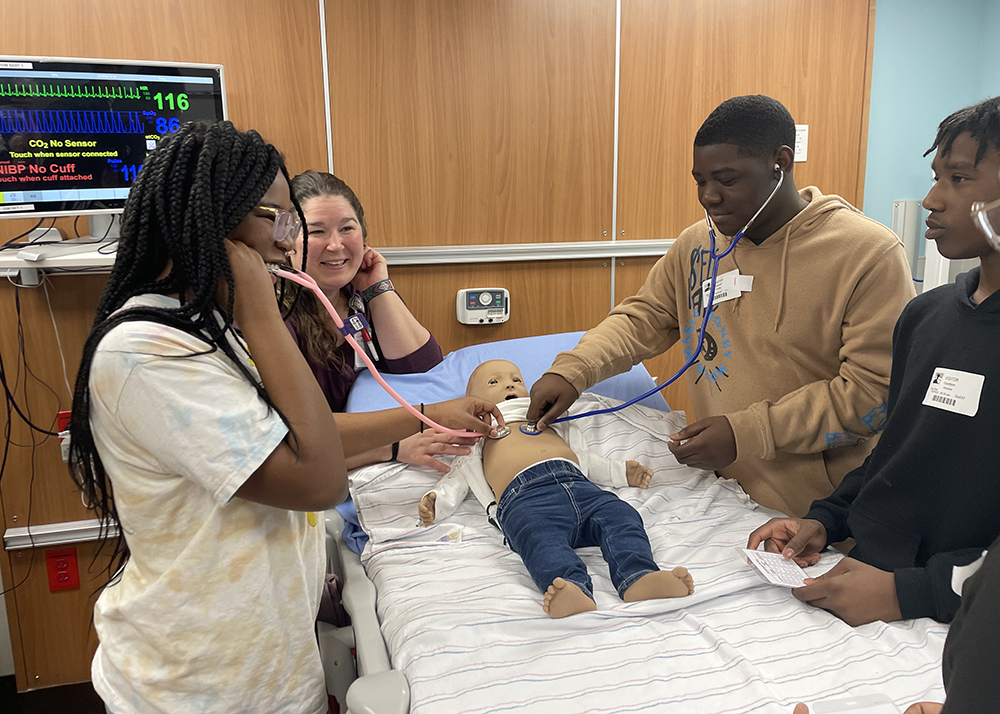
{"x": 63, "y": 420}
{"x": 63, "y": 571}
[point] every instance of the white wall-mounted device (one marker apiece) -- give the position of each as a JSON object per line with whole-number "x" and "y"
{"x": 482, "y": 306}
{"x": 907, "y": 218}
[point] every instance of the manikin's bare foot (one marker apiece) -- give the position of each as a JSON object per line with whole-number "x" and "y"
{"x": 564, "y": 598}
{"x": 675, "y": 583}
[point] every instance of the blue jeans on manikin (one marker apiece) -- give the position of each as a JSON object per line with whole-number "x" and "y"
{"x": 551, "y": 508}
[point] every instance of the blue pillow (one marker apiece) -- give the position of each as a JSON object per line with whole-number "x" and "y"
{"x": 533, "y": 355}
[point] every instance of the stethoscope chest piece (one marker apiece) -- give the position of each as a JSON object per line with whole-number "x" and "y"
{"x": 501, "y": 433}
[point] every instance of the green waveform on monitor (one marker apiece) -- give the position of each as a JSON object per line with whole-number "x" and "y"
{"x": 68, "y": 91}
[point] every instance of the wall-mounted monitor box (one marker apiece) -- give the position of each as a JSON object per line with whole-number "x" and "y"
{"x": 75, "y": 132}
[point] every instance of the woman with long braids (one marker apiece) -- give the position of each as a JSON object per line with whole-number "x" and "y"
{"x": 355, "y": 279}
{"x": 212, "y": 450}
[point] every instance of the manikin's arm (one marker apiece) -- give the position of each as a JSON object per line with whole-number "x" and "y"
{"x": 596, "y": 468}
{"x": 451, "y": 490}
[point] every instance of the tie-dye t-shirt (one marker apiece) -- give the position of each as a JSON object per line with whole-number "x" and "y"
{"x": 215, "y": 610}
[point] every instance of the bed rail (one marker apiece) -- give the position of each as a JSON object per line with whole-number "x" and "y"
{"x": 378, "y": 689}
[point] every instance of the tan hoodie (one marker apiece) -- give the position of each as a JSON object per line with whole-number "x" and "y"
{"x": 799, "y": 364}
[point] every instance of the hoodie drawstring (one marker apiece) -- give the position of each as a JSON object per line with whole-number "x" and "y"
{"x": 735, "y": 303}
{"x": 784, "y": 274}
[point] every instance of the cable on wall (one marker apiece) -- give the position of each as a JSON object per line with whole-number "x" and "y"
{"x": 11, "y": 408}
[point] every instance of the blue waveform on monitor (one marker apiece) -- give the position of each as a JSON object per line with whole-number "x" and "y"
{"x": 17, "y": 121}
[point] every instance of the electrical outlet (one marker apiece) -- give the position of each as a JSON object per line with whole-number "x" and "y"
{"x": 64, "y": 573}
{"x": 62, "y": 419}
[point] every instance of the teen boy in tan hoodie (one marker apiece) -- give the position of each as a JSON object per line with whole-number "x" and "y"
{"x": 792, "y": 381}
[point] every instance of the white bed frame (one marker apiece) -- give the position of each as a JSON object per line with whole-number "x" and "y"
{"x": 371, "y": 686}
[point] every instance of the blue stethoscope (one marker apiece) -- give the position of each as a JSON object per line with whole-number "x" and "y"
{"x": 529, "y": 428}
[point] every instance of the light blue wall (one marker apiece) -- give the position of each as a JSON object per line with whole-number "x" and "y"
{"x": 931, "y": 58}
{"x": 990, "y": 86}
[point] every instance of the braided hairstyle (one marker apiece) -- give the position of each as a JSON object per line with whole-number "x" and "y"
{"x": 305, "y": 310}
{"x": 981, "y": 120}
{"x": 193, "y": 189}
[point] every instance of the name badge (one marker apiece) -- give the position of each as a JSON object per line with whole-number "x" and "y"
{"x": 728, "y": 286}
{"x": 954, "y": 391}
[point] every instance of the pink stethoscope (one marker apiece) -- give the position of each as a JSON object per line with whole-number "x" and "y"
{"x": 359, "y": 324}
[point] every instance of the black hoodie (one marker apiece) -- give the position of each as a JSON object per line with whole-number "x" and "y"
{"x": 928, "y": 497}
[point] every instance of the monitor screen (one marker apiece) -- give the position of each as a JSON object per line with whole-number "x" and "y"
{"x": 75, "y": 132}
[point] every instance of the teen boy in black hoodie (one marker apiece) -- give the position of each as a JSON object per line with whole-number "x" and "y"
{"x": 928, "y": 497}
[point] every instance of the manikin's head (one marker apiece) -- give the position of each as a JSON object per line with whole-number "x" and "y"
{"x": 739, "y": 152}
{"x": 966, "y": 164}
{"x": 496, "y": 381}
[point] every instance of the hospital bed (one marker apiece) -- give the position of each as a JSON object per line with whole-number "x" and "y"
{"x": 446, "y": 618}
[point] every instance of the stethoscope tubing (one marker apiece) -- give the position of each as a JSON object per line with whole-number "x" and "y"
{"x": 710, "y": 305}
{"x": 307, "y": 281}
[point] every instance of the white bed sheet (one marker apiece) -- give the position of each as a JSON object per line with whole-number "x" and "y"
{"x": 463, "y": 620}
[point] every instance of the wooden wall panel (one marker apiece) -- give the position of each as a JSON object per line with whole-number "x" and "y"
{"x": 475, "y": 122}
{"x": 680, "y": 59}
{"x": 866, "y": 108}
{"x": 51, "y": 495}
{"x": 36, "y": 487}
{"x": 630, "y": 274}
{"x": 55, "y": 637}
{"x": 545, "y": 297}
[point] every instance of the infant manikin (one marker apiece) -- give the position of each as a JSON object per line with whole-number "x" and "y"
{"x": 547, "y": 505}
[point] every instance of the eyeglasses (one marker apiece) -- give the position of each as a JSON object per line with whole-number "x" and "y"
{"x": 286, "y": 224}
{"x": 981, "y": 216}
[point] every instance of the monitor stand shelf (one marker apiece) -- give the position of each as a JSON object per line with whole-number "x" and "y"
{"x": 79, "y": 255}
